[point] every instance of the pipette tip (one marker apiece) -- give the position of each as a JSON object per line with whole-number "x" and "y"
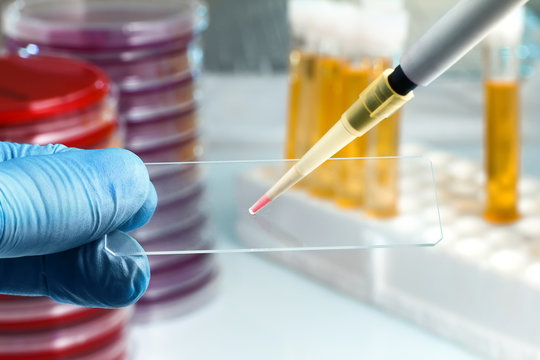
{"x": 262, "y": 202}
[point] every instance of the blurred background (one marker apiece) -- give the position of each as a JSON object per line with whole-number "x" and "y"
{"x": 223, "y": 90}
{"x": 262, "y": 53}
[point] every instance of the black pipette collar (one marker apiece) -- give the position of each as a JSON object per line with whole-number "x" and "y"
{"x": 399, "y": 82}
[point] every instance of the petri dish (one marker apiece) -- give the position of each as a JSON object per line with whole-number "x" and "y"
{"x": 180, "y": 275}
{"x": 179, "y": 302}
{"x": 54, "y": 100}
{"x": 152, "y": 125}
{"x": 176, "y": 147}
{"x": 164, "y": 93}
{"x": 68, "y": 341}
{"x": 39, "y": 313}
{"x": 103, "y": 24}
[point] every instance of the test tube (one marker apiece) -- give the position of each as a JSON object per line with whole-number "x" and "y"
{"x": 303, "y": 87}
{"x": 350, "y": 185}
{"x": 304, "y": 136}
{"x": 295, "y": 63}
{"x": 300, "y": 75}
{"x": 502, "y": 128}
{"x": 382, "y": 179}
{"x": 365, "y": 32}
{"x": 328, "y": 69}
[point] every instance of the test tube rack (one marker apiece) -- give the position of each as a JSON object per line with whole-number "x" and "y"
{"x": 479, "y": 287}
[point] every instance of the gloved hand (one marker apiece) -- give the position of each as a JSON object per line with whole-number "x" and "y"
{"x": 56, "y": 205}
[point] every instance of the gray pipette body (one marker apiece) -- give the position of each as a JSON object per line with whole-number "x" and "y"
{"x": 452, "y": 37}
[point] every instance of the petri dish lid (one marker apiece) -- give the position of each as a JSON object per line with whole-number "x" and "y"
{"x": 35, "y": 313}
{"x": 87, "y": 138}
{"x": 116, "y": 350}
{"x": 40, "y": 87}
{"x": 68, "y": 341}
{"x": 146, "y": 115}
{"x": 183, "y": 276}
{"x": 103, "y": 24}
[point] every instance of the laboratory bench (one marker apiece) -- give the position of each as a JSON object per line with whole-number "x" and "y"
{"x": 266, "y": 311}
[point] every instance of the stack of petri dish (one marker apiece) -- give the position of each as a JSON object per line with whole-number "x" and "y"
{"x": 39, "y": 328}
{"x": 45, "y": 100}
{"x": 56, "y": 100}
{"x": 151, "y": 52}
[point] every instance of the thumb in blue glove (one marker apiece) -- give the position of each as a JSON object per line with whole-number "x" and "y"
{"x": 56, "y": 206}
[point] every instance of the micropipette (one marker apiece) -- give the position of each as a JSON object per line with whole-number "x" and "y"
{"x": 436, "y": 51}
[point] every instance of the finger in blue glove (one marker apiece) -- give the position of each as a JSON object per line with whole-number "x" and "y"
{"x": 54, "y": 202}
{"x": 88, "y": 275}
{"x": 55, "y": 199}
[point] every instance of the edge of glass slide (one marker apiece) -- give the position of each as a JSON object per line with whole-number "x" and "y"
{"x": 118, "y": 248}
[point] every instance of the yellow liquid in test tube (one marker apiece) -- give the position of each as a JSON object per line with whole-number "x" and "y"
{"x": 502, "y": 150}
{"x": 304, "y": 133}
{"x": 350, "y": 182}
{"x": 328, "y": 104}
{"x": 295, "y": 63}
{"x": 382, "y": 178}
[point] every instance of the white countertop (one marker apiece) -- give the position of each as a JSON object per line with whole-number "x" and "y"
{"x": 267, "y": 312}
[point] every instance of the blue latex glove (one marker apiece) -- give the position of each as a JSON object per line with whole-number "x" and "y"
{"x": 56, "y": 205}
